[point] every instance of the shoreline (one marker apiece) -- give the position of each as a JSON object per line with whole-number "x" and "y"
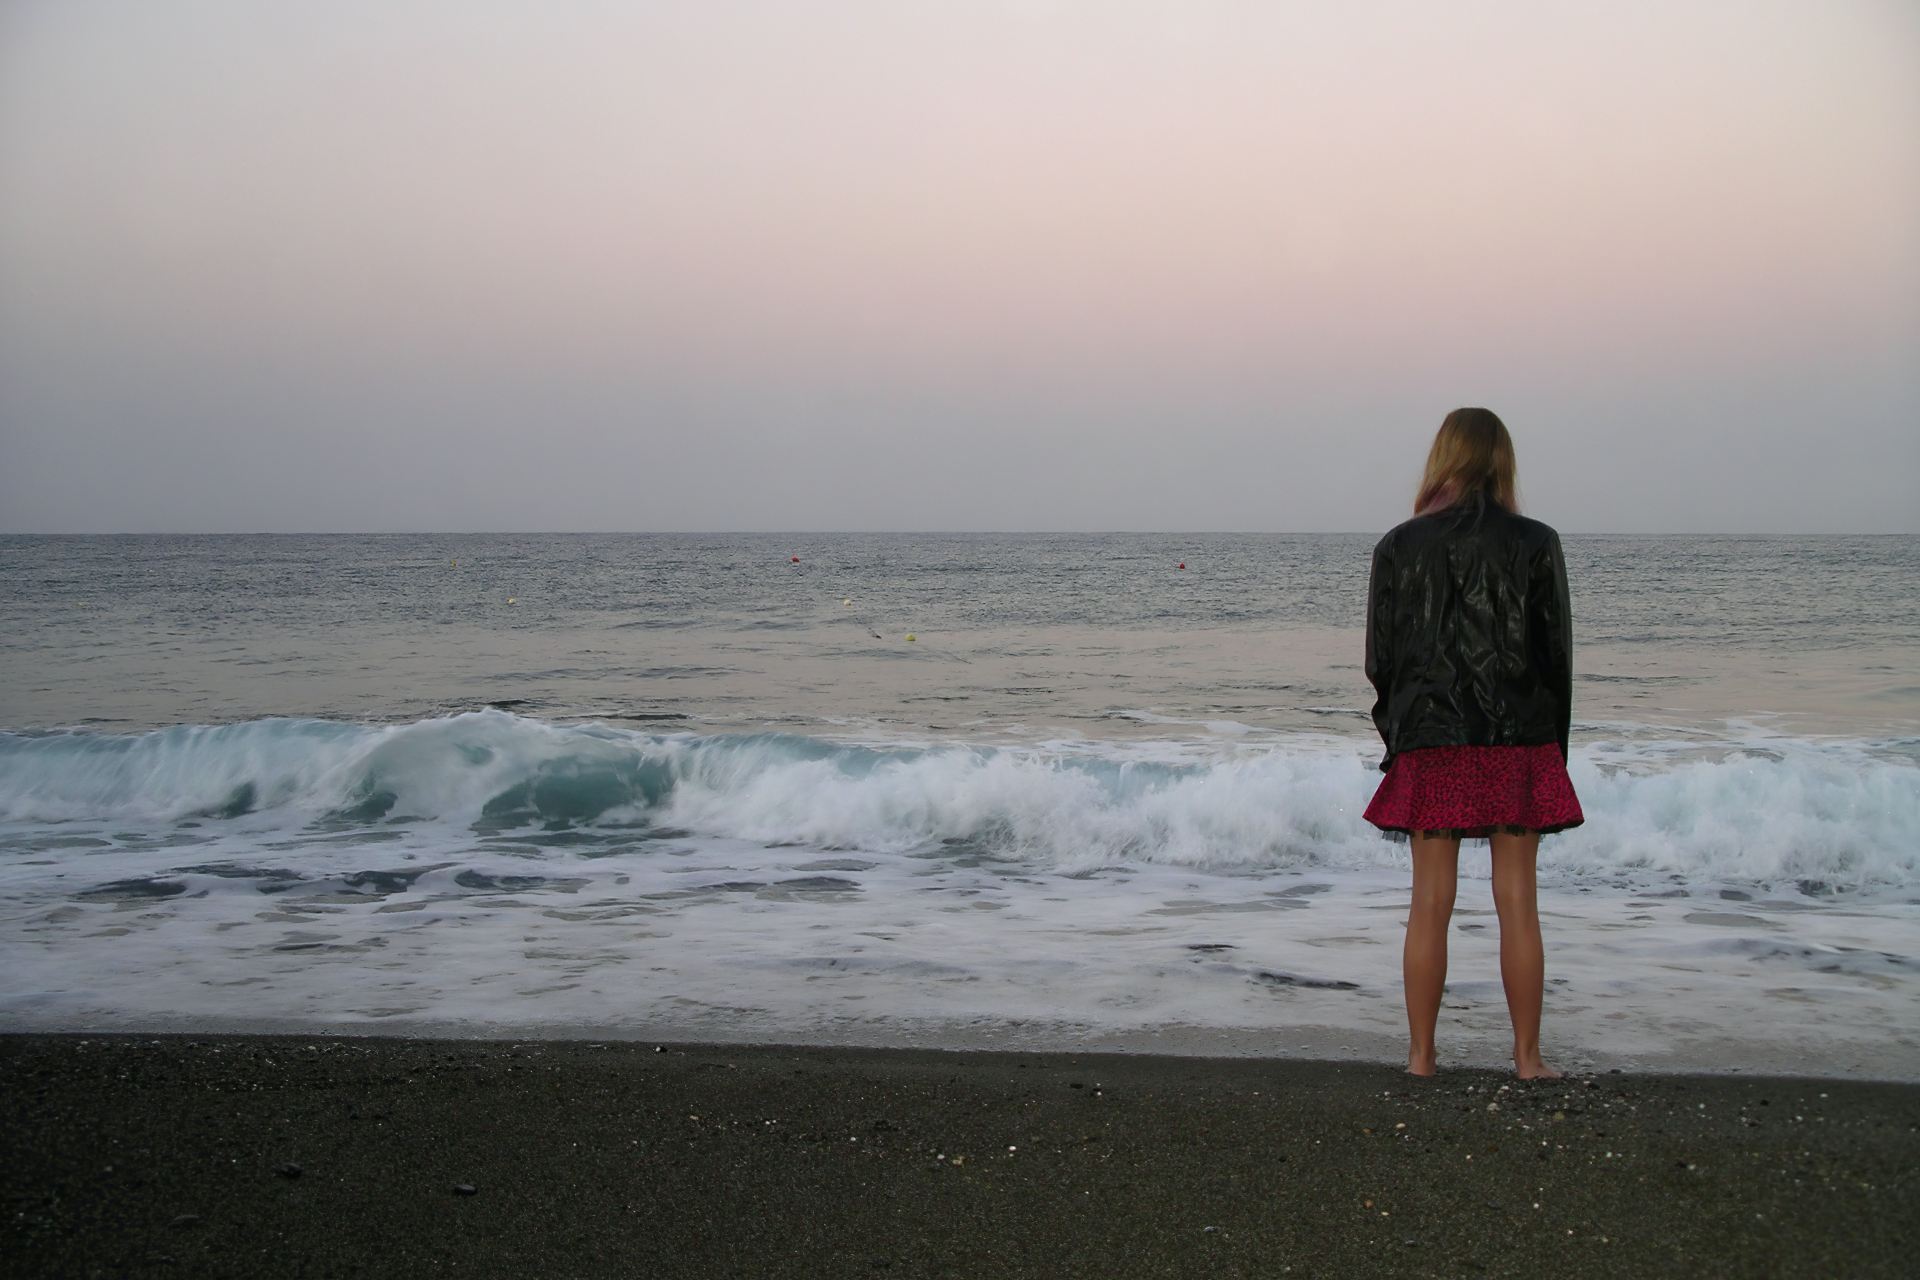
{"x": 213, "y": 1155}
{"x": 1327, "y": 1044}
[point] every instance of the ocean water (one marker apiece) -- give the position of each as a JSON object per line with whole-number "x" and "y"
{"x": 1007, "y": 790}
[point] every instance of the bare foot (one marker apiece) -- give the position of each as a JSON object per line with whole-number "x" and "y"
{"x": 1422, "y": 1064}
{"x": 1534, "y": 1069}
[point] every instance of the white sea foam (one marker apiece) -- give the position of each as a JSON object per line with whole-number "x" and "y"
{"x": 1761, "y": 811}
{"x": 1752, "y": 897}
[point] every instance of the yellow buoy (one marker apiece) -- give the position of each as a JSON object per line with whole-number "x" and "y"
{"x": 847, "y": 603}
{"x": 909, "y": 636}
{"x": 511, "y": 600}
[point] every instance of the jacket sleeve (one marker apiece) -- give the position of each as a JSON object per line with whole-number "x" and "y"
{"x": 1380, "y": 641}
{"x": 1554, "y": 620}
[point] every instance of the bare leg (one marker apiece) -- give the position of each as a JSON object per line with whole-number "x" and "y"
{"x": 1436, "y": 865}
{"x": 1522, "y": 964}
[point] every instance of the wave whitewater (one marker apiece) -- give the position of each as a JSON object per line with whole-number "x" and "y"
{"x": 1826, "y": 817}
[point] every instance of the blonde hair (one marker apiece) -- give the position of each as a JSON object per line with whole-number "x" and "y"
{"x": 1472, "y": 454}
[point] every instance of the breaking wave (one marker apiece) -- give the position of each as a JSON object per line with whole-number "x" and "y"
{"x": 1824, "y": 815}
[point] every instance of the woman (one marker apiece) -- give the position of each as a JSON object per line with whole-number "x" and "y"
{"x": 1469, "y": 646}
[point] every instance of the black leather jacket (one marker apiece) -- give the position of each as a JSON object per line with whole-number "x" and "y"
{"x": 1469, "y": 637}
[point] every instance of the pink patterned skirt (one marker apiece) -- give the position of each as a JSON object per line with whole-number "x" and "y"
{"x": 1475, "y": 791}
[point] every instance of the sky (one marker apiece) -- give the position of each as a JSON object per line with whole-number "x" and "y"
{"x": 953, "y": 264}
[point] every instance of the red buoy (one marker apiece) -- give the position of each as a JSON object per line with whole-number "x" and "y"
{"x": 1183, "y": 564}
{"x": 796, "y": 559}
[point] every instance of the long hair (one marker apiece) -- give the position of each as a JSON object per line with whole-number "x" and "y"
{"x": 1472, "y": 456}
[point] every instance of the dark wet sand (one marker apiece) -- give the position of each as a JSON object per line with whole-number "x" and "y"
{"x": 270, "y": 1156}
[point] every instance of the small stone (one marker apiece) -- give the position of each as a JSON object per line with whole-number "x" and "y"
{"x": 186, "y": 1220}
{"x": 289, "y": 1171}
{"x": 465, "y": 1189}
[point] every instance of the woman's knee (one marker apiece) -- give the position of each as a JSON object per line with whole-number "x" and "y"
{"x": 1434, "y": 902}
{"x": 1436, "y": 873}
{"x": 1514, "y": 902}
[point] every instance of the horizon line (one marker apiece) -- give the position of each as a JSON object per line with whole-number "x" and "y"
{"x": 549, "y": 533}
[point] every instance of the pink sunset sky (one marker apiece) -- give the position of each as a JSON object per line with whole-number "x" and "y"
{"x": 898, "y": 264}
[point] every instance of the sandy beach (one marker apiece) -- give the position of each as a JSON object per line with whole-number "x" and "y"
{"x": 261, "y": 1156}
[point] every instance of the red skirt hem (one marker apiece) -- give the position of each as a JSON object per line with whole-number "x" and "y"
{"x": 1476, "y": 792}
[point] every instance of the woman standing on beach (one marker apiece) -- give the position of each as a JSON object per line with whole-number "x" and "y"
{"x": 1469, "y": 646}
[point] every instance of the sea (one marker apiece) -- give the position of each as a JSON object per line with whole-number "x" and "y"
{"x": 1030, "y": 791}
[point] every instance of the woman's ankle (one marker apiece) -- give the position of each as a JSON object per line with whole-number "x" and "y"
{"x": 1531, "y": 1066}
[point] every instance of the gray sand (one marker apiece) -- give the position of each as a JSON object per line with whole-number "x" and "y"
{"x": 266, "y": 1156}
